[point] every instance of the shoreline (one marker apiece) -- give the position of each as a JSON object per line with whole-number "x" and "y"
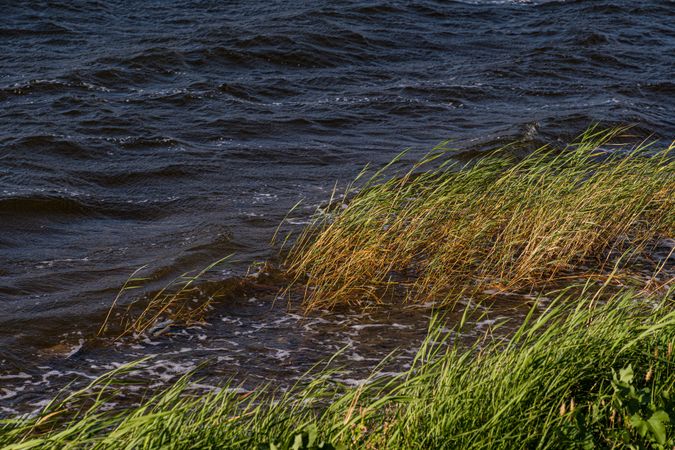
{"x": 388, "y": 213}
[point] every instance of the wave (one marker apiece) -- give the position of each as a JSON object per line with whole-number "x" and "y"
{"x": 48, "y": 86}
{"x": 47, "y": 205}
{"x": 40, "y": 29}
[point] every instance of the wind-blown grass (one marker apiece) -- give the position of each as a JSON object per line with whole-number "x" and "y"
{"x": 575, "y": 376}
{"x": 442, "y": 229}
{"x": 183, "y": 301}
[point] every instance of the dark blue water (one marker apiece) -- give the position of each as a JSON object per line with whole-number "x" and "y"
{"x": 173, "y": 133}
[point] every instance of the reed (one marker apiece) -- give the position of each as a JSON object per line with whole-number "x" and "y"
{"x": 577, "y": 375}
{"x": 182, "y": 302}
{"x": 440, "y": 229}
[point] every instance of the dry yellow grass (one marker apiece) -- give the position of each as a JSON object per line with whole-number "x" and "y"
{"x": 441, "y": 229}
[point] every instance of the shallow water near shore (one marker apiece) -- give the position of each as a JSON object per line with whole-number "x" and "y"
{"x": 172, "y": 134}
{"x": 250, "y": 343}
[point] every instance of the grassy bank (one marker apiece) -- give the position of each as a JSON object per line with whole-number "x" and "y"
{"x": 441, "y": 229}
{"x": 571, "y": 377}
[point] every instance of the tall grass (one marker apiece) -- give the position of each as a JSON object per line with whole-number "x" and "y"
{"x": 578, "y": 375}
{"x": 441, "y": 229}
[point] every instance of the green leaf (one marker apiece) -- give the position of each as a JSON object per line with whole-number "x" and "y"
{"x": 626, "y": 374}
{"x": 312, "y": 433}
{"x": 297, "y": 442}
{"x": 657, "y": 424}
{"x": 639, "y": 424}
{"x": 658, "y": 429}
{"x": 662, "y": 416}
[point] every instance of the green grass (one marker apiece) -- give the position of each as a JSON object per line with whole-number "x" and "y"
{"x": 441, "y": 229}
{"x": 581, "y": 373}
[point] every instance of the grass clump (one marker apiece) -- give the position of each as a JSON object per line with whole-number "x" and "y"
{"x": 184, "y": 301}
{"x": 578, "y": 375}
{"x": 442, "y": 229}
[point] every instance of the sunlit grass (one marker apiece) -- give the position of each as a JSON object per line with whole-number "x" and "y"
{"x": 576, "y": 375}
{"x": 441, "y": 229}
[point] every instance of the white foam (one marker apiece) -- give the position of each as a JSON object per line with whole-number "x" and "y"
{"x": 75, "y": 349}
{"x": 14, "y": 376}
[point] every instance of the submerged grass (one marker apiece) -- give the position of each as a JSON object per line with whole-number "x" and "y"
{"x": 442, "y": 229}
{"x": 183, "y": 301}
{"x": 578, "y": 375}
